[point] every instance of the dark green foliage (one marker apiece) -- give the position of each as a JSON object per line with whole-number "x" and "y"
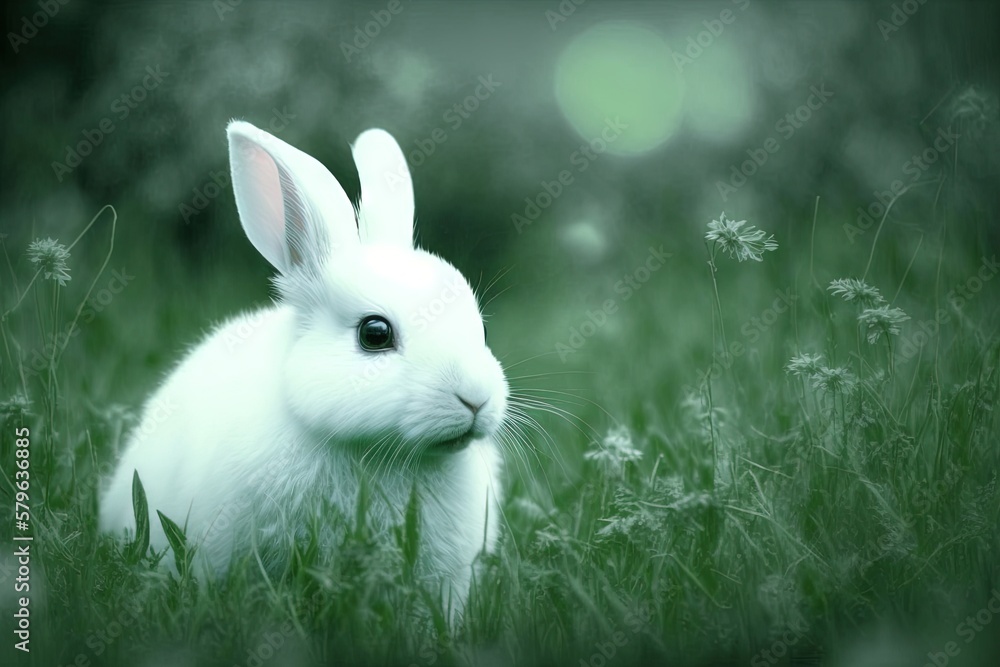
{"x": 140, "y": 543}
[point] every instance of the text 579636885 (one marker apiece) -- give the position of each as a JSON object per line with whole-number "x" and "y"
{"x": 22, "y": 523}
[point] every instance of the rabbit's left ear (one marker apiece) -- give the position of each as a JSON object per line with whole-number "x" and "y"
{"x": 293, "y": 210}
{"x": 385, "y": 213}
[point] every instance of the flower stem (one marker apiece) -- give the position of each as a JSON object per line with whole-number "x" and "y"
{"x": 718, "y": 303}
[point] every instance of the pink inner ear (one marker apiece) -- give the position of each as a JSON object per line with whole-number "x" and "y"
{"x": 263, "y": 210}
{"x": 292, "y": 208}
{"x": 267, "y": 186}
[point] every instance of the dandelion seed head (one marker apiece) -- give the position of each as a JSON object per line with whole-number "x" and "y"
{"x": 834, "y": 380}
{"x": 553, "y": 540}
{"x": 854, "y": 290}
{"x": 15, "y": 407}
{"x": 695, "y": 405}
{"x": 739, "y": 242}
{"x": 115, "y": 413}
{"x": 974, "y": 110}
{"x": 882, "y": 321}
{"x": 823, "y": 377}
{"x": 804, "y": 364}
{"x": 614, "y": 451}
{"x": 50, "y": 256}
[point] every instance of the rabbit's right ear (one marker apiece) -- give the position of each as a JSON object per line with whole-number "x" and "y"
{"x": 386, "y": 211}
{"x": 292, "y": 208}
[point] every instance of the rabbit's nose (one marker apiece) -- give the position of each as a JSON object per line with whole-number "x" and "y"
{"x": 472, "y": 406}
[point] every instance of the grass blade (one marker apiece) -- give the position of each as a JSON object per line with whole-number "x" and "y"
{"x": 140, "y": 508}
{"x": 177, "y": 541}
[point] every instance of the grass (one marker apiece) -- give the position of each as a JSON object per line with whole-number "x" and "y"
{"x": 818, "y": 483}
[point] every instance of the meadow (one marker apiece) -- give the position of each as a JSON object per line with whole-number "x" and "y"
{"x": 737, "y": 258}
{"x": 804, "y": 473}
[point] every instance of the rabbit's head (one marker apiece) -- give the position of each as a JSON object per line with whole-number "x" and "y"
{"x": 389, "y": 350}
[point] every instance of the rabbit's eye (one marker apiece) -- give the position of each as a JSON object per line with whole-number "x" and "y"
{"x": 486, "y": 335}
{"x": 375, "y": 334}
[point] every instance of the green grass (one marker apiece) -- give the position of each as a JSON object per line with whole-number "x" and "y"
{"x": 833, "y": 516}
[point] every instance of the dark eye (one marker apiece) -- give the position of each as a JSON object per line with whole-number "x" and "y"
{"x": 375, "y": 334}
{"x": 486, "y": 334}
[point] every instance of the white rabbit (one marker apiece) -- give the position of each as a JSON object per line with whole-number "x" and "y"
{"x": 373, "y": 362}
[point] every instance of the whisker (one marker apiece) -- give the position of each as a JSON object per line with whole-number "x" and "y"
{"x": 503, "y": 516}
{"x": 520, "y": 460}
{"x": 491, "y": 299}
{"x": 537, "y": 356}
{"x": 567, "y": 416}
{"x": 525, "y": 420}
{"x": 518, "y": 444}
{"x": 551, "y": 374}
{"x": 597, "y": 405}
{"x": 499, "y": 276}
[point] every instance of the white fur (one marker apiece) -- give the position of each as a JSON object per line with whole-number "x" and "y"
{"x": 278, "y": 411}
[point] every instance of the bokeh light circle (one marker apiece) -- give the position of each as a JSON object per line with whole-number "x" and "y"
{"x": 624, "y": 70}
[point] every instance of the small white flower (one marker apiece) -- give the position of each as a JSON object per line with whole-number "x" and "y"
{"x": 16, "y": 407}
{"x": 804, "y": 364}
{"x": 51, "y": 256}
{"x": 834, "y": 379}
{"x": 749, "y": 243}
{"x": 852, "y": 289}
{"x": 882, "y": 321}
{"x": 614, "y": 451}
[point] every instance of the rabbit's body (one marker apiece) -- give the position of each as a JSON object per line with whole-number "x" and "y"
{"x": 280, "y": 411}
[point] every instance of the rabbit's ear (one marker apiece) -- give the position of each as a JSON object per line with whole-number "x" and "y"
{"x": 386, "y": 209}
{"x": 292, "y": 208}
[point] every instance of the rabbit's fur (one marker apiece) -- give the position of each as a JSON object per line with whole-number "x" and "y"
{"x": 280, "y": 411}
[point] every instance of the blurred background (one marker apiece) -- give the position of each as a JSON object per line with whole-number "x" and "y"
{"x": 570, "y": 154}
{"x": 718, "y": 110}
